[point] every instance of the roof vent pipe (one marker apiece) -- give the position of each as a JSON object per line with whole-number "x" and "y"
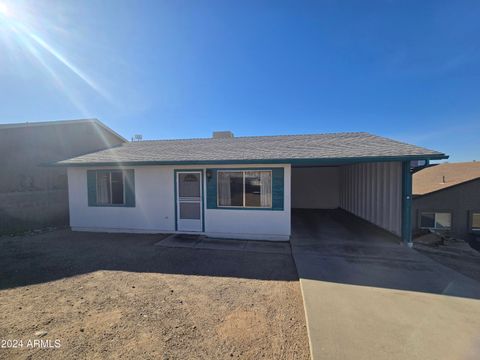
{"x": 222, "y": 135}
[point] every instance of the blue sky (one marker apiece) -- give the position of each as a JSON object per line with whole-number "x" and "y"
{"x": 172, "y": 69}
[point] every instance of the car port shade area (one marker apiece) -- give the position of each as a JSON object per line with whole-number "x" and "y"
{"x": 366, "y": 296}
{"x": 372, "y": 191}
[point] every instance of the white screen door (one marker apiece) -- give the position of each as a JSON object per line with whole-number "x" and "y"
{"x": 189, "y": 201}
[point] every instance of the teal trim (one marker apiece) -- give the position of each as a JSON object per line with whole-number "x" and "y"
{"x": 315, "y": 161}
{"x": 92, "y": 187}
{"x": 406, "y": 203}
{"x": 129, "y": 176}
{"x": 175, "y": 194}
{"x": 203, "y": 203}
{"x": 277, "y": 189}
{"x": 211, "y": 175}
{"x": 129, "y": 184}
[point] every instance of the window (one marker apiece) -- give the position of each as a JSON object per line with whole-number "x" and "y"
{"x": 249, "y": 189}
{"x": 435, "y": 220}
{"x": 110, "y": 187}
{"x": 476, "y": 221}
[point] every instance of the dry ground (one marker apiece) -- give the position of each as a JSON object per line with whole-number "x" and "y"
{"x": 455, "y": 254}
{"x": 120, "y": 297}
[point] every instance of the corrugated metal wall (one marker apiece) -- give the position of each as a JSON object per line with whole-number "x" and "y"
{"x": 373, "y": 191}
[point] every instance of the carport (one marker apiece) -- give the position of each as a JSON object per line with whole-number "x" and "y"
{"x": 376, "y": 190}
{"x": 364, "y": 296}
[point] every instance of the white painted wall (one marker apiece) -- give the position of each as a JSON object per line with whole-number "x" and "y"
{"x": 315, "y": 188}
{"x": 155, "y": 208}
{"x": 373, "y": 191}
{"x": 270, "y": 225}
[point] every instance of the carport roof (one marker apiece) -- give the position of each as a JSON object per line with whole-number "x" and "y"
{"x": 294, "y": 149}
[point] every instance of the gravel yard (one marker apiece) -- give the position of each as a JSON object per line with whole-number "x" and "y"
{"x": 118, "y": 296}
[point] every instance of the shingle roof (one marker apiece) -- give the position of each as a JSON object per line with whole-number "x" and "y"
{"x": 432, "y": 179}
{"x": 256, "y": 148}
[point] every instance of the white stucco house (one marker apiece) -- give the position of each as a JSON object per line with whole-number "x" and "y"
{"x": 242, "y": 187}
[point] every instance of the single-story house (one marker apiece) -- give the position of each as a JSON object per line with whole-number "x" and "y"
{"x": 242, "y": 187}
{"x": 446, "y": 197}
{"x": 33, "y": 195}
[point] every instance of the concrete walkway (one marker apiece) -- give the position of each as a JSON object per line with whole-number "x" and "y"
{"x": 203, "y": 242}
{"x": 367, "y": 297}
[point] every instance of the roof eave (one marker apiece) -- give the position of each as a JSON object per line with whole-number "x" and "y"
{"x": 292, "y": 161}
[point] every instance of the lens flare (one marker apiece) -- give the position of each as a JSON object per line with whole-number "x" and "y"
{"x": 4, "y": 9}
{"x": 26, "y": 29}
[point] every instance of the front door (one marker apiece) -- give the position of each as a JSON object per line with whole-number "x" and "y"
{"x": 189, "y": 201}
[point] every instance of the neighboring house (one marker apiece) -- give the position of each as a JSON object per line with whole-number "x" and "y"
{"x": 32, "y": 195}
{"x": 242, "y": 187}
{"x": 446, "y": 197}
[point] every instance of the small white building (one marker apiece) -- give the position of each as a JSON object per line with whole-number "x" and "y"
{"x": 242, "y": 187}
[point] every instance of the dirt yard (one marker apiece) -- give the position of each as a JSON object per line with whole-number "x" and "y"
{"x": 120, "y": 297}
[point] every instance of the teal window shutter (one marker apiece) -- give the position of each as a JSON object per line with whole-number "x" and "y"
{"x": 130, "y": 188}
{"x": 92, "y": 187}
{"x": 211, "y": 188}
{"x": 277, "y": 189}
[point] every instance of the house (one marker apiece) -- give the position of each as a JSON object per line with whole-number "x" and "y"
{"x": 446, "y": 197}
{"x": 242, "y": 187}
{"x": 32, "y": 195}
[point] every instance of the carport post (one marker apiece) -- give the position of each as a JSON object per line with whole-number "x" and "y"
{"x": 407, "y": 204}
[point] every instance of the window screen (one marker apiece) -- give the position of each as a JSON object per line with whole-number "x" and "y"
{"x": 190, "y": 210}
{"x": 230, "y": 188}
{"x": 189, "y": 185}
{"x": 443, "y": 220}
{"x": 427, "y": 220}
{"x": 432, "y": 220}
{"x": 258, "y": 188}
{"x": 117, "y": 187}
{"x": 110, "y": 188}
{"x": 103, "y": 187}
{"x": 476, "y": 221}
{"x": 245, "y": 188}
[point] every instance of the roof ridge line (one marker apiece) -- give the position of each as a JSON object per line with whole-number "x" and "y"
{"x": 259, "y": 136}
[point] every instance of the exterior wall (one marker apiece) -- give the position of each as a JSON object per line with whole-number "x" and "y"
{"x": 33, "y": 209}
{"x": 459, "y": 200}
{"x": 373, "y": 191}
{"x": 315, "y": 188}
{"x": 154, "y": 210}
{"x": 33, "y": 195}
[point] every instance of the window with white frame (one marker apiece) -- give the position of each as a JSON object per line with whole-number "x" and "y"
{"x": 244, "y": 188}
{"x": 475, "y": 221}
{"x": 110, "y": 187}
{"x": 436, "y": 220}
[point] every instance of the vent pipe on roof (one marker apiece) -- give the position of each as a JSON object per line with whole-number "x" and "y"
{"x": 222, "y": 135}
{"x": 443, "y": 179}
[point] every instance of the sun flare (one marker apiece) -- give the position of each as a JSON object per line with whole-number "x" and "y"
{"x": 24, "y": 31}
{"x": 4, "y": 9}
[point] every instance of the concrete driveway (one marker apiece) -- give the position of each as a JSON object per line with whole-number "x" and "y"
{"x": 368, "y": 297}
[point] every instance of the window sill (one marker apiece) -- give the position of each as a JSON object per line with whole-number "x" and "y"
{"x": 111, "y": 205}
{"x": 436, "y": 229}
{"x": 245, "y": 208}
